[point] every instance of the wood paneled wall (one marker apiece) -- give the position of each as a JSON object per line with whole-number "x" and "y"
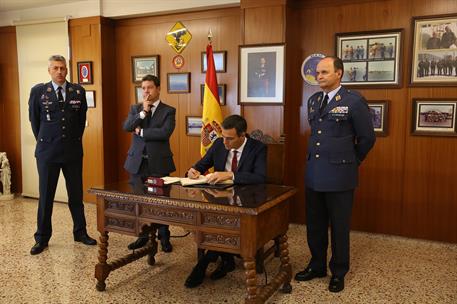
{"x": 407, "y": 183}
{"x": 146, "y": 36}
{"x": 10, "y": 135}
{"x": 99, "y": 141}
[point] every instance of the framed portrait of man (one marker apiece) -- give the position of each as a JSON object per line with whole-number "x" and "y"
{"x": 261, "y": 74}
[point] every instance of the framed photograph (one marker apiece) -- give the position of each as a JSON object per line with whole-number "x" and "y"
{"x": 193, "y": 125}
{"x": 380, "y": 111}
{"x": 370, "y": 59}
{"x": 434, "y": 117}
{"x": 178, "y": 82}
{"x": 434, "y": 51}
{"x": 144, "y": 65}
{"x": 85, "y": 72}
{"x": 261, "y": 74}
{"x": 138, "y": 94}
{"x": 220, "y": 89}
{"x": 220, "y": 60}
{"x": 90, "y": 98}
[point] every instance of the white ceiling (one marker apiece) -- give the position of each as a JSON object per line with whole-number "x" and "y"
{"x": 12, "y": 5}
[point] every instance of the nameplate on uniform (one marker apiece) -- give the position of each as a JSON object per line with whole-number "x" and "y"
{"x": 154, "y": 181}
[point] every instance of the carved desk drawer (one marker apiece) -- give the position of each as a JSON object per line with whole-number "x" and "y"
{"x": 117, "y": 206}
{"x": 114, "y": 222}
{"x": 219, "y": 240}
{"x": 226, "y": 221}
{"x": 169, "y": 214}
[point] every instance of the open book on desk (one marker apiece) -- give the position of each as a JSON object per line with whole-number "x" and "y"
{"x": 201, "y": 181}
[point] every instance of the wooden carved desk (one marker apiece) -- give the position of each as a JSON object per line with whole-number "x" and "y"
{"x": 239, "y": 220}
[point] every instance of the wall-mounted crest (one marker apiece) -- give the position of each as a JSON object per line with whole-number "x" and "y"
{"x": 178, "y": 37}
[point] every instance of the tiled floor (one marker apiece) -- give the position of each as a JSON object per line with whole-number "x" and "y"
{"x": 384, "y": 269}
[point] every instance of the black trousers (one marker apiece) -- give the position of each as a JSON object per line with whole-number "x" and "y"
{"x": 322, "y": 208}
{"x": 48, "y": 177}
{"x": 163, "y": 232}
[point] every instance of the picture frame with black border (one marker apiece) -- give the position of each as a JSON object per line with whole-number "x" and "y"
{"x": 371, "y": 59}
{"x": 261, "y": 74}
{"x": 90, "y": 98}
{"x": 434, "y": 116}
{"x": 380, "y": 111}
{"x": 434, "y": 50}
{"x": 178, "y": 82}
{"x": 85, "y": 75}
{"x": 221, "y": 89}
{"x": 138, "y": 94}
{"x": 145, "y": 65}
{"x": 193, "y": 125}
{"x": 220, "y": 61}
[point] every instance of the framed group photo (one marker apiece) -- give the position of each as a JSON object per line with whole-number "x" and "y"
{"x": 434, "y": 117}
{"x": 144, "y": 65}
{"x": 379, "y": 110}
{"x": 221, "y": 88}
{"x": 193, "y": 125}
{"x": 220, "y": 61}
{"x": 261, "y": 74}
{"x": 434, "y": 51}
{"x": 178, "y": 82}
{"x": 371, "y": 59}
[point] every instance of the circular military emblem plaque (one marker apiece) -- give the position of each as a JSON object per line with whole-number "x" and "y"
{"x": 308, "y": 68}
{"x": 178, "y": 62}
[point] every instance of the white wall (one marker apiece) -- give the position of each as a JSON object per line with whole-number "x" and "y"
{"x": 110, "y": 8}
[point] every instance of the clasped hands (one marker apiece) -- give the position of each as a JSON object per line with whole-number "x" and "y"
{"x": 212, "y": 178}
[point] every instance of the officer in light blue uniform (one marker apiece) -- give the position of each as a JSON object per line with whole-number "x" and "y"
{"x": 342, "y": 134}
{"x": 57, "y": 113}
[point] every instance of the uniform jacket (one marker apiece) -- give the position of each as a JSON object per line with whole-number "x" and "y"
{"x": 156, "y": 139}
{"x": 251, "y": 166}
{"x": 340, "y": 139}
{"x": 58, "y": 128}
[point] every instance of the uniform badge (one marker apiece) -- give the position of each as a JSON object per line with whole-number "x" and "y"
{"x": 77, "y": 92}
{"x": 319, "y": 98}
{"x": 311, "y": 110}
{"x": 338, "y": 98}
{"x": 48, "y": 90}
{"x": 70, "y": 90}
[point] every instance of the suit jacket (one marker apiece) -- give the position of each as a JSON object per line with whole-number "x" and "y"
{"x": 58, "y": 128}
{"x": 155, "y": 140}
{"x": 340, "y": 139}
{"x": 252, "y": 167}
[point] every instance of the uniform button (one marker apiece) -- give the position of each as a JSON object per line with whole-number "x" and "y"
{"x": 63, "y": 127}
{"x": 318, "y": 144}
{"x": 63, "y": 110}
{"x": 63, "y": 118}
{"x": 319, "y": 132}
{"x": 337, "y": 120}
{"x": 320, "y": 119}
{"x": 317, "y": 155}
{"x": 63, "y": 135}
{"x": 344, "y": 161}
{"x": 41, "y": 139}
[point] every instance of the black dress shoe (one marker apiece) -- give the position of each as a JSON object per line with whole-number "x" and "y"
{"x": 336, "y": 284}
{"x": 309, "y": 274}
{"x": 222, "y": 269}
{"x": 38, "y": 248}
{"x": 85, "y": 239}
{"x": 196, "y": 277}
{"x": 140, "y": 242}
{"x": 166, "y": 245}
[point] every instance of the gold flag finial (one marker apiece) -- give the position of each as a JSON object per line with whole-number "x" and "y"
{"x": 210, "y": 35}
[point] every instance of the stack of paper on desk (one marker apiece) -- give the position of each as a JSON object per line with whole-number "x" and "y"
{"x": 185, "y": 181}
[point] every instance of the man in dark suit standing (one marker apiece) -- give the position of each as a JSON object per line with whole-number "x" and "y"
{"x": 341, "y": 136}
{"x": 151, "y": 122}
{"x": 234, "y": 157}
{"x": 57, "y": 112}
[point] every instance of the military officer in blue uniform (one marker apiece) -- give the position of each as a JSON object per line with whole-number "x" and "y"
{"x": 341, "y": 136}
{"x": 57, "y": 112}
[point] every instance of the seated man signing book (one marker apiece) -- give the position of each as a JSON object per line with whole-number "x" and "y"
{"x": 234, "y": 157}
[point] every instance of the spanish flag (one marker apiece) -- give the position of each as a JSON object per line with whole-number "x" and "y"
{"x": 212, "y": 114}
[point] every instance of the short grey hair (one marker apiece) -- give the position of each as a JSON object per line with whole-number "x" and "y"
{"x": 57, "y": 58}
